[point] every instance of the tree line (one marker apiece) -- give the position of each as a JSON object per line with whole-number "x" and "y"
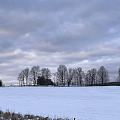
{"x": 64, "y": 76}
{"x": 34, "y": 76}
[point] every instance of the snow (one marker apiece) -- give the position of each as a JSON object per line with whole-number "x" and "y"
{"x": 83, "y": 103}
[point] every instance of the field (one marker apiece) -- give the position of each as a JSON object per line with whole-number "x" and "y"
{"x": 83, "y": 103}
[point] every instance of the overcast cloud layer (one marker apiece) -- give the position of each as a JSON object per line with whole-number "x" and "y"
{"x": 47, "y": 33}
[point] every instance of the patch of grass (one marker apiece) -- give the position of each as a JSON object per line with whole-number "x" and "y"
{"x": 17, "y": 116}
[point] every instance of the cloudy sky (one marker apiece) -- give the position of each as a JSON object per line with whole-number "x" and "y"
{"x": 47, "y": 33}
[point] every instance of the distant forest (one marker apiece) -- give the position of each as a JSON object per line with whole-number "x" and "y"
{"x": 64, "y": 76}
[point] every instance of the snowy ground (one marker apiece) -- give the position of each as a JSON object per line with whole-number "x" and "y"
{"x": 83, "y": 103}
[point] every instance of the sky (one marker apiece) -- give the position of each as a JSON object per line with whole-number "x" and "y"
{"x": 84, "y": 33}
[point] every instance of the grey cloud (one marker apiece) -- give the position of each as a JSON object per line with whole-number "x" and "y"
{"x": 53, "y": 32}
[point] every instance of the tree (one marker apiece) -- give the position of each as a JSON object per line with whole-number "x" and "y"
{"x": 55, "y": 78}
{"x": 79, "y": 76}
{"x": 34, "y": 73}
{"x": 87, "y": 78}
{"x": 93, "y": 76}
{"x": 26, "y": 75}
{"x": 62, "y": 75}
{"x": 45, "y": 72}
{"x": 0, "y": 83}
{"x": 118, "y": 78}
{"x": 102, "y": 75}
{"x": 21, "y": 78}
{"x": 42, "y": 81}
{"x": 70, "y": 76}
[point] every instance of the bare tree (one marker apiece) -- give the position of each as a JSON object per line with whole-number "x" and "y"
{"x": 79, "y": 75}
{"x": 55, "y": 78}
{"x": 62, "y": 75}
{"x": 92, "y": 76}
{"x": 119, "y": 72}
{"x": 34, "y": 73}
{"x": 26, "y": 75}
{"x": 118, "y": 78}
{"x": 70, "y": 76}
{"x": 21, "y": 78}
{"x": 87, "y": 78}
{"x": 45, "y": 72}
{"x": 102, "y": 75}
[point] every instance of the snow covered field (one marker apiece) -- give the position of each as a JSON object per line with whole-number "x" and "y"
{"x": 83, "y": 103}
